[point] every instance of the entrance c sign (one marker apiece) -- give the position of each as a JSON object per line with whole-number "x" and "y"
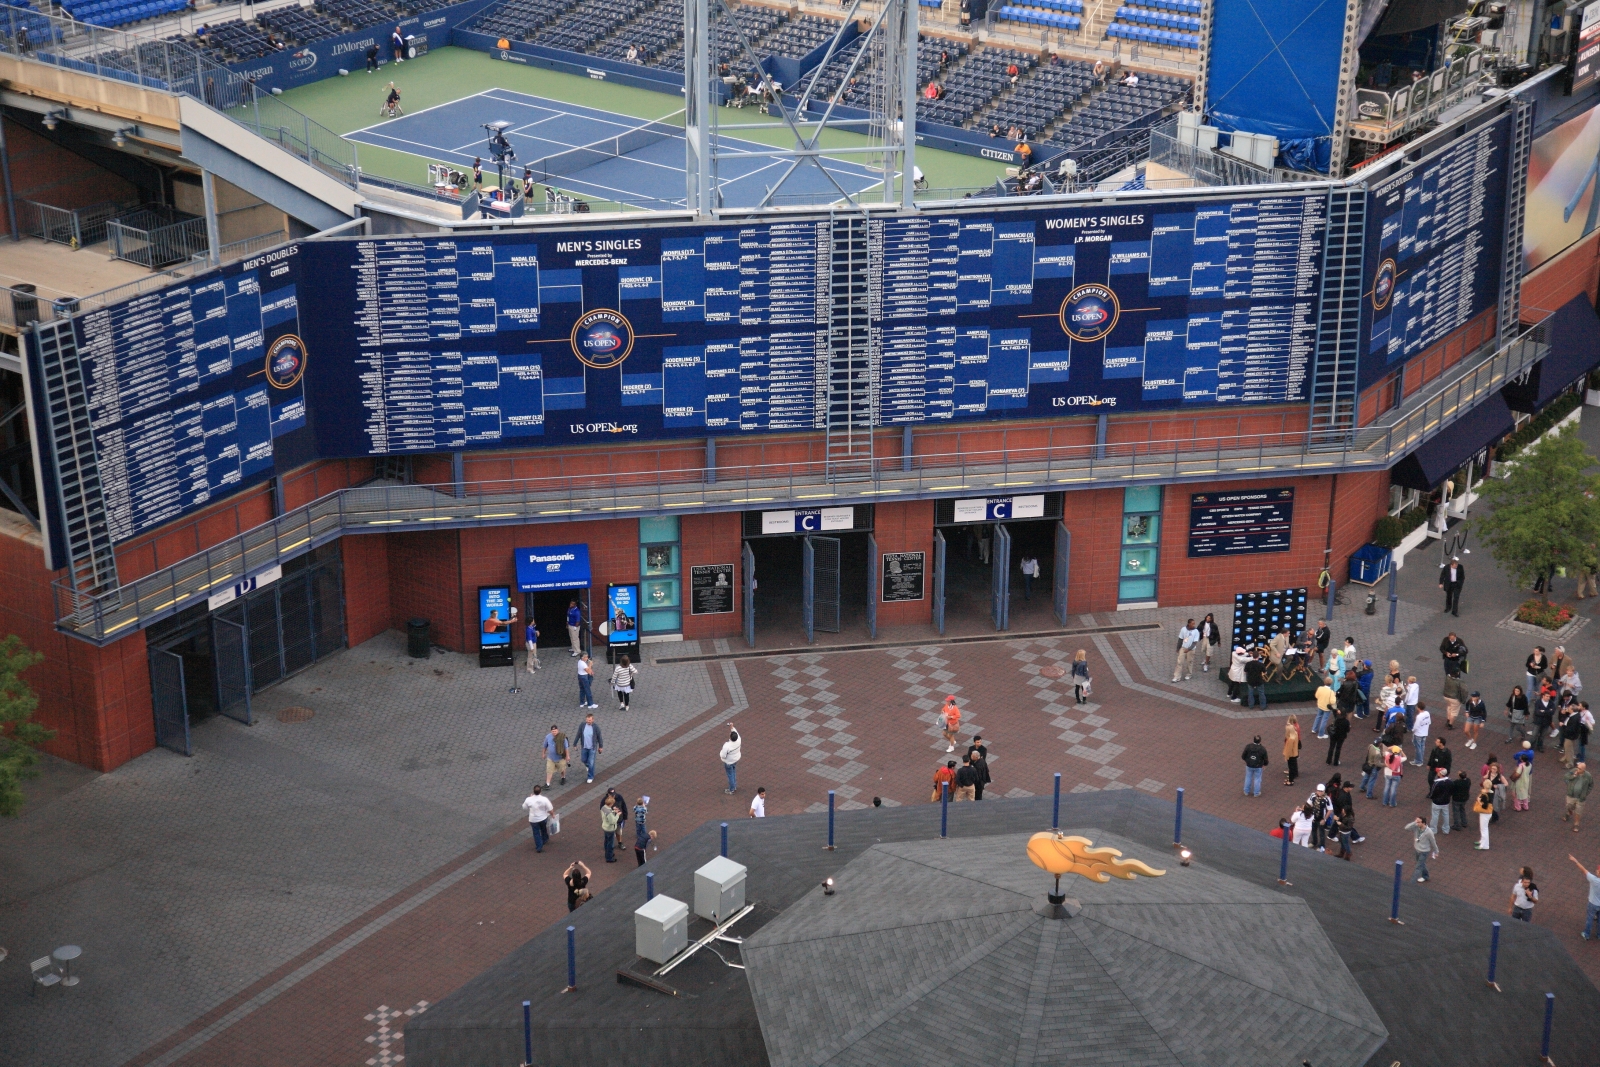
{"x": 808, "y": 520}
{"x": 1000, "y": 509}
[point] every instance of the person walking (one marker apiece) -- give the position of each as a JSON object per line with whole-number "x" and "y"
{"x": 1516, "y": 712}
{"x": 1030, "y": 571}
{"x": 1412, "y": 700}
{"x": 1236, "y": 662}
{"x": 1460, "y": 794}
{"x": 1572, "y": 732}
{"x": 758, "y": 803}
{"x": 944, "y": 782}
{"x": 530, "y": 637}
{"x": 731, "y": 752}
{"x": 1452, "y": 576}
{"x": 555, "y": 755}
{"x": 1300, "y": 821}
{"x": 1337, "y": 732}
{"x": 610, "y": 820}
{"x": 590, "y": 743}
{"x": 1188, "y": 639}
{"x": 576, "y": 877}
{"x": 1439, "y": 792}
{"x": 538, "y": 808}
{"x": 642, "y": 834}
{"x": 1255, "y": 762}
{"x": 950, "y": 716}
{"x": 1544, "y": 714}
{"x": 1524, "y": 895}
{"x": 1327, "y": 701}
{"x": 1291, "y": 749}
{"x": 1477, "y": 714}
{"x": 1210, "y": 638}
{"x": 1589, "y": 933}
{"x": 1483, "y": 808}
{"x": 1522, "y": 778}
{"x": 1420, "y": 725}
{"x": 1372, "y": 767}
{"x": 1440, "y": 756}
{"x": 1453, "y": 651}
{"x": 586, "y": 682}
{"x": 978, "y": 752}
{"x": 1080, "y": 676}
{"x": 1424, "y": 844}
{"x": 1394, "y": 769}
{"x": 1579, "y": 783}
{"x": 574, "y": 625}
{"x": 1320, "y": 804}
{"x": 966, "y": 780}
{"x": 1344, "y": 826}
{"x": 1255, "y": 682}
{"x": 623, "y": 676}
{"x": 1322, "y": 636}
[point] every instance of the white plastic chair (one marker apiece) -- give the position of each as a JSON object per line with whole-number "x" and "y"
{"x": 48, "y": 978}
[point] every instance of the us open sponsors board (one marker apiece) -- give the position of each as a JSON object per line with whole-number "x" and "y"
{"x": 434, "y": 344}
{"x": 903, "y": 576}
{"x": 1240, "y": 523}
{"x": 711, "y": 589}
{"x": 1435, "y": 238}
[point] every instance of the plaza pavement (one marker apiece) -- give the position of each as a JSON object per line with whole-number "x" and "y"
{"x": 291, "y": 892}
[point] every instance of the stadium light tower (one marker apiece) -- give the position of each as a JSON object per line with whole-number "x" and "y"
{"x": 890, "y": 43}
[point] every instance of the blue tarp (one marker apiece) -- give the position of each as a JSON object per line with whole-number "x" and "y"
{"x": 1275, "y": 70}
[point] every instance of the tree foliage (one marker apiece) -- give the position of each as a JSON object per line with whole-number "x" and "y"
{"x": 1546, "y": 512}
{"x": 18, "y": 733}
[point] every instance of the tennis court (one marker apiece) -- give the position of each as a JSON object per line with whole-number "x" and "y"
{"x": 600, "y": 155}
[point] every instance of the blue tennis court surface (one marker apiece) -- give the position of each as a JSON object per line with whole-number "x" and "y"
{"x": 651, "y": 177}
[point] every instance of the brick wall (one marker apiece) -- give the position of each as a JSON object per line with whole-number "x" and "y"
{"x": 366, "y": 586}
{"x": 707, "y": 539}
{"x": 1575, "y": 271}
{"x": 44, "y": 171}
{"x": 906, "y": 527}
{"x": 1094, "y": 517}
{"x": 96, "y": 699}
{"x": 424, "y": 582}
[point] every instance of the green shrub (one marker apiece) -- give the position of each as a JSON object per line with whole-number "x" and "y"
{"x": 1535, "y": 427}
{"x": 1390, "y": 530}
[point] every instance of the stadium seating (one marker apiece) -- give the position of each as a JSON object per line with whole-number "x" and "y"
{"x": 756, "y": 23}
{"x": 122, "y": 12}
{"x": 18, "y": 16}
{"x": 299, "y": 26}
{"x": 1051, "y": 14}
{"x": 233, "y": 40}
{"x": 969, "y": 85}
{"x": 1118, "y": 107}
{"x": 1039, "y": 99}
{"x": 589, "y": 22}
{"x": 357, "y": 13}
{"x": 519, "y": 20}
{"x": 1167, "y": 23}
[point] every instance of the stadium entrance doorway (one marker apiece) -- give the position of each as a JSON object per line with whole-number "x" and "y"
{"x": 986, "y": 542}
{"x": 807, "y": 574}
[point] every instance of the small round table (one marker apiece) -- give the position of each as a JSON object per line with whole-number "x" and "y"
{"x": 64, "y": 956}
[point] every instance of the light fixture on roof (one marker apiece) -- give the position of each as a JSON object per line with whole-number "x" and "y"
{"x": 827, "y": 887}
{"x": 1184, "y": 856}
{"x": 120, "y": 137}
{"x": 53, "y": 118}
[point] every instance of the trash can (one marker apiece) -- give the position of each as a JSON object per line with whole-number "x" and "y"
{"x": 1369, "y": 564}
{"x": 24, "y": 304}
{"x": 417, "y": 637}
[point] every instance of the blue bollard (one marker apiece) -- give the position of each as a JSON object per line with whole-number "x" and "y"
{"x": 527, "y": 1032}
{"x": 944, "y": 809}
{"x": 1177, "y": 823}
{"x": 724, "y": 840}
{"x": 649, "y": 885}
{"x": 830, "y": 820}
{"x": 1283, "y": 863}
{"x": 1332, "y": 585}
{"x": 1394, "y": 906}
{"x": 1494, "y": 954}
{"x": 572, "y": 957}
{"x": 1549, "y": 1014}
{"x": 1055, "y": 807}
{"x": 1394, "y": 601}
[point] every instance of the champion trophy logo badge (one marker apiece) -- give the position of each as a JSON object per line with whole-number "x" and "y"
{"x": 1383, "y": 282}
{"x": 602, "y": 338}
{"x": 286, "y": 362}
{"x": 1089, "y": 313}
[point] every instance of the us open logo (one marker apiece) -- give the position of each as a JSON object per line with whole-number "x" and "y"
{"x": 1383, "y": 284}
{"x": 602, "y": 338}
{"x": 1089, "y": 313}
{"x": 302, "y": 61}
{"x": 286, "y": 362}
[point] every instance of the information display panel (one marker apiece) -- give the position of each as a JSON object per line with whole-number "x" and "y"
{"x": 402, "y": 345}
{"x": 711, "y": 589}
{"x": 1434, "y": 252}
{"x": 1240, "y": 523}
{"x": 903, "y": 576}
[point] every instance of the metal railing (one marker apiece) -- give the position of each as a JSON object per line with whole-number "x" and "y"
{"x": 153, "y": 239}
{"x": 175, "y": 67}
{"x": 104, "y": 617}
{"x": 74, "y": 227}
{"x": 234, "y": 250}
{"x": 21, "y": 305}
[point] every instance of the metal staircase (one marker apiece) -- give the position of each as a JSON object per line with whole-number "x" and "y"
{"x": 850, "y": 391}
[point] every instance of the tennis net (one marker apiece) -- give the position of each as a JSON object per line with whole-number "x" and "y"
{"x": 571, "y": 161}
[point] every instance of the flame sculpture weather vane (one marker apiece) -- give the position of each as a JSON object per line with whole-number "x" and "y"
{"x": 1059, "y": 854}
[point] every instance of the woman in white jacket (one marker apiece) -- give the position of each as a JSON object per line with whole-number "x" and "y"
{"x": 1236, "y": 672}
{"x": 730, "y": 760}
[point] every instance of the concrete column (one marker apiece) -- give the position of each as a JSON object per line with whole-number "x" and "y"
{"x": 209, "y": 189}
{"x": 1100, "y": 422}
{"x": 5, "y": 171}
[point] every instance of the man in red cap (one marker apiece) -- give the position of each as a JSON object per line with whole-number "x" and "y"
{"x": 952, "y": 722}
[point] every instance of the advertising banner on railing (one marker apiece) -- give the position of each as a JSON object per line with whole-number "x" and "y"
{"x": 324, "y": 59}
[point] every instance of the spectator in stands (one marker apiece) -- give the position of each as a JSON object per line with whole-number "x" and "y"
{"x": 1024, "y": 153}
{"x": 200, "y": 34}
{"x": 372, "y": 57}
{"x": 1100, "y": 70}
{"x": 1055, "y": 60}
{"x": 24, "y": 46}
{"x": 994, "y": 130}
{"x": 633, "y": 53}
{"x": 1131, "y": 81}
{"x": 397, "y": 42}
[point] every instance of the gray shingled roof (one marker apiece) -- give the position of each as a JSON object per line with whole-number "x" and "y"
{"x": 928, "y": 939}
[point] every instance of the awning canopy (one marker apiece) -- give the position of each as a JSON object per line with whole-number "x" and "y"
{"x": 1439, "y": 457}
{"x": 1573, "y": 334}
{"x": 553, "y": 567}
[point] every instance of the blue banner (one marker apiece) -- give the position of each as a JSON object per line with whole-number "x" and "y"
{"x": 622, "y": 614}
{"x": 495, "y": 616}
{"x": 553, "y": 567}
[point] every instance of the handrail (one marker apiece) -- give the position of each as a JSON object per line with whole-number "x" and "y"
{"x": 376, "y": 508}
